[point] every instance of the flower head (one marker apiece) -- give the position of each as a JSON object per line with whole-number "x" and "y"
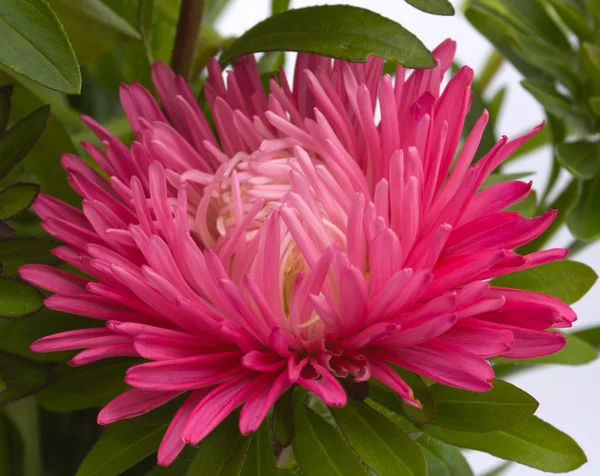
{"x": 331, "y": 230}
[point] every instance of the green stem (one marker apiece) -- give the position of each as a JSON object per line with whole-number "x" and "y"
{"x": 491, "y": 67}
{"x": 188, "y": 29}
{"x": 25, "y": 416}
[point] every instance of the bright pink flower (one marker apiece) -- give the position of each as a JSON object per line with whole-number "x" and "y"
{"x": 312, "y": 242}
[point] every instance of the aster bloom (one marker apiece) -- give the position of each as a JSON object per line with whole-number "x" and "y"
{"x": 332, "y": 229}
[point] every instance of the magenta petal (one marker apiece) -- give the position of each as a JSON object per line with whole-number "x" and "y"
{"x": 327, "y": 387}
{"x": 383, "y": 373}
{"x": 133, "y": 403}
{"x": 172, "y": 443}
{"x": 530, "y": 343}
{"x": 78, "y": 339}
{"x": 103, "y": 352}
{"x": 447, "y": 364}
{"x": 478, "y": 338}
{"x": 330, "y": 229}
{"x": 185, "y": 373}
{"x": 153, "y": 347}
{"x": 217, "y": 405}
{"x": 263, "y": 362}
{"x": 258, "y": 404}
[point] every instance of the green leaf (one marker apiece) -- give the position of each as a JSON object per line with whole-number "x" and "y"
{"x": 3, "y": 386}
{"x": 589, "y": 56}
{"x": 576, "y": 352}
{"x": 385, "y": 396}
{"x": 43, "y": 160}
{"x": 594, "y": 103}
{"x": 223, "y": 451}
{"x": 397, "y": 418}
{"x": 318, "y": 447}
{"x": 443, "y": 459}
{"x": 16, "y": 252}
{"x": 5, "y": 107}
{"x": 19, "y": 140}
{"x": 380, "y": 443}
{"x": 571, "y": 12}
{"x": 557, "y": 64}
{"x": 18, "y": 299}
{"x": 565, "y": 280}
{"x": 283, "y": 418}
{"x": 535, "y": 17}
{"x": 593, "y": 7}
{"x": 500, "y": 28}
{"x": 533, "y": 443}
{"x": 36, "y": 45}
{"x": 145, "y": 25}
{"x": 437, "y": 7}
{"x": 390, "y": 400}
{"x": 279, "y": 6}
{"x": 125, "y": 443}
{"x": 129, "y": 61}
{"x": 580, "y": 158}
{"x": 89, "y": 386}
{"x": 339, "y": 31}
{"x": 93, "y": 28}
{"x": 17, "y": 198}
{"x": 583, "y": 219}
{"x": 549, "y": 98}
{"x": 591, "y": 335}
{"x": 260, "y": 458}
{"x": 21, "y": 376}
{"x": 501, "y": 407}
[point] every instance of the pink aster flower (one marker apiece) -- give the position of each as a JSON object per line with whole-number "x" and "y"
{"x": 310, "y": 243}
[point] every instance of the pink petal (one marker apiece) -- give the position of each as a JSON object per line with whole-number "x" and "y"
{"x": 78, "y": 339}
{"x": 476, "y": 337}
{"x": 186, "y": 373}
{"x": 384, "y": 374}
{"x": 217, "y": 405}
{"x": 102, "y": 352}
{"x": 172, "y": 443}
{"x": 133, "y": 403}
{"x": 445, "y": 363}
{"x": 261, "y": 400}
{"x": 327, "y": 388}
{"x": 52, "y": 279}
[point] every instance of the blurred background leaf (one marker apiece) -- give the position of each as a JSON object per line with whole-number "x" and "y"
{"x": 92, "y": 27}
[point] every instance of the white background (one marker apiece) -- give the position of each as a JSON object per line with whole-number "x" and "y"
{"x": 567, "y": 395}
